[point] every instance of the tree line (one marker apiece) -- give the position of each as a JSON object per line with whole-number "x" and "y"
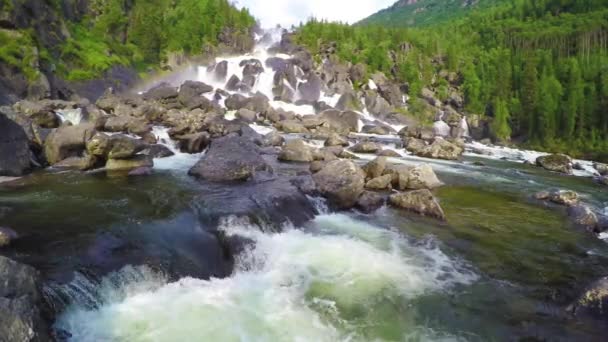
{"x": 538, "y": 69}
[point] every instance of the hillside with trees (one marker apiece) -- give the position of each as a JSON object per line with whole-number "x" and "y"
{"x": 44, "y": 40}
{"x": 538, "y": 70}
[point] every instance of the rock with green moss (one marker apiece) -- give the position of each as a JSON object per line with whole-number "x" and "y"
{"x": 419, "y": 201}
{"x": 556, "y": 162}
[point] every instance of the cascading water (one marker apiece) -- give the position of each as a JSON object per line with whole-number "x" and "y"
{"x": 74, "y": 116}
{"x": 322, "y": 286}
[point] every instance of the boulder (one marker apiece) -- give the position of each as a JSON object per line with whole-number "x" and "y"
{"x": 194, "y": 142}
{"x": 370, "y": 201}
{"x": 296, "y": 151}
{"x": 236, "y": 102}
{"x": 388, "y": 153}
{"x": 414, "y": 145}
{"x": 246, "y": 115}
{"x": 593, "y": 302}
{"x": 43, "y": 114}
{"x": 419, "y": 201}
{"x": 341, "y": 122}
{"x": 136, "y": 162}
{"x": 310, "y": 91}
{"x": 441, "y": 149}
{"x": 67, "y": 141}
{"x": 118, "y": 146}
{"x": 157, "y": 151}
{"x": 377, "y": 105}
{"x": 20, "y": 303}
{"x": 602, "y": 169}
{"x": 563, "y": 197}
{"x": 342, "y": 182}
{"x": 291, "y": 126}
{"x": 582, "y": 215}
{"x": 375, "y": 168}
{"x": 366, "y": 147}
{"x": 219, "y": 71}
{"x": 380, "y": 183}
{"x": 373, "y": 129}
{"x": 357, "y": 73}
{"x": 162, "y": 92}
{"x": 556, "y": 162}
{"x": 420, "y": 177}
{"x": 349, "y": 101}
{"x": 273, "y": 139}
{"x": 86, "y": 162}
{"x": 230, "y": 158}
{"x": 335, "y": 139}
{"x": 15, "y": 153}
{"x": 317, "y": 166}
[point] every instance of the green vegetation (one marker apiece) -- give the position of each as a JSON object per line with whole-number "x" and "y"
{"x": 539, "y": 69}
{"x": 425, "y": 12}
{"x": 17, "y": 49}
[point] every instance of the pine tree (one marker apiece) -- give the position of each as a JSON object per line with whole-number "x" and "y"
{"x": 529, "y": 96}
{"x": 573, "y": 106}
{"x": 500, "y": 125}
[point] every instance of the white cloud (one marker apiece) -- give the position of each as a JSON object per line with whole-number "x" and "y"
{"x": 292, "y": 12}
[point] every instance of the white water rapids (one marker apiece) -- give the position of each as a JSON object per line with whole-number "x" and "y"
{"x": 330, "y": 285}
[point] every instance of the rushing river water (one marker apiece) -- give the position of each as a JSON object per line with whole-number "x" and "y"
{"x": 133, "y": 259}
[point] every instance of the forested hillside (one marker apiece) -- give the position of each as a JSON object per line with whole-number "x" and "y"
{"x": 425, "y": 12}
{"x": 77, "y": 40}
{"x": 537, "y": 69}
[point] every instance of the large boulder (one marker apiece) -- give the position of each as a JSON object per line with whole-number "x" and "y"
{"x": 376, "y": 104}
{"x": 366, "y": 147}
{"x": 420, "y": 177}
{"x": 335, "y": 139}
{"x": 20, "y": 303}
{"x": 380, "y": 183}
{"x": 15, "y": 153}
{"x": 583, "y": 216}
{"x": 563, "y": 197}
{"x": 162, "y": 92}
{"x": 441, "y": 149}
{"x": 370, "y": 201}
{"x": 296, "y": 151}
{"x": 349, "y": 101}
{"x": 230, "y": 158}
{"x": 118, "y": 146}
{"x": 341, "y": 181}
{"x": 42, "y": 114}
{"x": 341, "y": 122}
{"x": 375, "y": 168}
{"x": 219, "y": 71}
{"x": 556, "y": 162}
{"x": 291, "y": 126}
{"x": 419, "y": 201}
{"x": 67, "y": 141}
{"x": 310, "y": 91}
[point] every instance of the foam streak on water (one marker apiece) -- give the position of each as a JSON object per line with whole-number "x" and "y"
{"x": 292, "y": 286}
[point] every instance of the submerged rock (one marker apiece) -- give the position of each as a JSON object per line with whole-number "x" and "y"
{"x": 136, "y": 162}
{"x": 593, "y": 302}
{"x": 230, "y": 158}
{"x": 419, "y": 201}
{"x": 366, "y": 147}
{"x": 20, "y": 303}
{"x": 6, "y": 236}
{"x": 583, "y": 216}
{"x": 563, "y": 197}
{"x": 441, "y": 149}
{"x": 342, "y": 182}
{"x": 556, "y": 162}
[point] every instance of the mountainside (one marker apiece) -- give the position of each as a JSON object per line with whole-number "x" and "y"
{"x": 425, "y": 12}
{"x": 50, "y": 46}
{"x": 535, "y": 70}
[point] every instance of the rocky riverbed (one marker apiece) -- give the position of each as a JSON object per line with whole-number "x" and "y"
{"x": 267, "y": 198}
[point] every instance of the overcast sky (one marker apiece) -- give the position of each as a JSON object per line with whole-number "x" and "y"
{"x": 288, "y": 12}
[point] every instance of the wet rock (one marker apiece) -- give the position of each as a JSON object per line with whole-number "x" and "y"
{"x": 317, "y": 166}
{"x": 219, "y": 71}
{"x": 388, "y": 153}
{"x": 376, "y": 104}
{"x": 358, "y": 72}
{"x": 236, "y": 102}
{"x": 341, "y": 122}
{"x": 441, "y": 149}
{"x": 582, "y": 215}
{"x": 372, "y": 129}
{"x": 230, "y": 158}
{"x": 420, "y": 177}
{"x": 593, "y": 302}
{"x": 162, "y": 92}
{"x": 194, "y": 142}
{"x": 20, "y": 303}
{"x": 141, "y": 171}
{"x": 602, "y": 169}
{"x": 375, "y": 168}
{"x": 556, "y": 162}
{"x": 67, "y": 141}
{"x": 366, "y": 147}
{"x": 563, "y": 197}
{"x": 342, "y": 182}
{"x": 6, "y": 236}
{"x": 336, "y": 140}
{"x": 235, "y": 84}
{"x": 246, "y": 115}
{"x": 83, "y": 163}
{"x": 310, "y": 90}
{"x": 157, "y": 151}
{"x": 296, "y": 151}
{"x": 118, "y": 146}
{"x": 136, "y": 162}
{"x": 41, "y": 114}
{"x": 273, "y": 139}
{"x": 419, "y": 201}
{"x": 15, "y": 153}
{"x": 291, "y": 126}
{"x": 370, "y": 201}
{"x": 380, "y": 183}
{"x": 349, "y": 101}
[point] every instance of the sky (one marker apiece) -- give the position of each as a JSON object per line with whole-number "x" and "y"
{"x": 292, "y": 12}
